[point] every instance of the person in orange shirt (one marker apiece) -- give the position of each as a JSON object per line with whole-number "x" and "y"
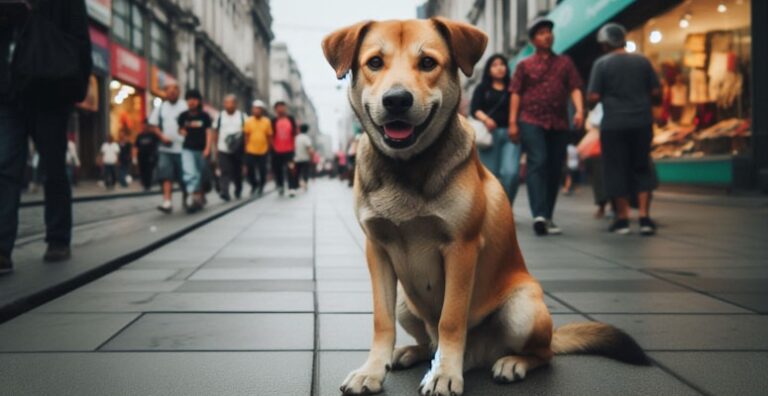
{"x": 257, "y": 131}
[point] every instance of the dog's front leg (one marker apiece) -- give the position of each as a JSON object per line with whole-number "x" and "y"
{"x": 446, "y": 376}
{"x": 368, "y": 378}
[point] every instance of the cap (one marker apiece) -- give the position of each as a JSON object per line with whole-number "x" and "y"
{"x": 537, "y": 23}
{"x": 259, "y": 103}
{"x": 612, "y": 34}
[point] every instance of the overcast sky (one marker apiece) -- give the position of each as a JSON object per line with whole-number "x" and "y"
{"x": 302, "y": 24}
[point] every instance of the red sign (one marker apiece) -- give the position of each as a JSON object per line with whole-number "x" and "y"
{"x": 159, "y": 79}
{"x": 128, "y": 66}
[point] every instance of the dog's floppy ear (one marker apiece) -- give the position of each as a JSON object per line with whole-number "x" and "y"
{"x": 340, "y": 47}
{"x": 467, "y": 42}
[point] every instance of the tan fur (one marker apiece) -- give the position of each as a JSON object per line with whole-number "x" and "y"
{"x": 441, "y": 245}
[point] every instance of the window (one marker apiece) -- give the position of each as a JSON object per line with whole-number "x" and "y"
{"x": 128, "y": 25}
{"x": 161, "y": 48}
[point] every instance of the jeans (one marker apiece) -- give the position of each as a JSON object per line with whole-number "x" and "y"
{"x": 253, "y": 163}
{"x": 280, "y": 164}
{"x": 110, "y": 175}
{"x": 47, "y": 127}
{"x": 545, "y": 150}
{"x": 503, "y": 160}
{"x": 123, "y": 171}
{"x": 146, "y": 170}
{"x": 192, "y": 163}
{"x": 231, "y": 166}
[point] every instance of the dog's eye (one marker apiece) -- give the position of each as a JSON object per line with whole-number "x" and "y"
{"x": 375, "y": 63}
{"x": 426, "y": 63}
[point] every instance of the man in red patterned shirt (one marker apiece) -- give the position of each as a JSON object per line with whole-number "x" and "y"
{"x": 538, "y": 117}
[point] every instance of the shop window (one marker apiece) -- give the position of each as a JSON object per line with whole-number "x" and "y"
{"x": 128, "y": 25}
{"x": 160, "y": 50}
{"x": 701, "y": 50}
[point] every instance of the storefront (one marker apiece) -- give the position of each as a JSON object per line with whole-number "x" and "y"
{"x": 158, "y": 80}
{"x": 702, "y": 51}
{"x": 127, "y": 92}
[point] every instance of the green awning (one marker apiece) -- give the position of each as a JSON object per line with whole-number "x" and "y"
{"x": 574, "y": 20}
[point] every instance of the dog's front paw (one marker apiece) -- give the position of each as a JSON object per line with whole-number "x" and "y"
{"x": 364, "y": 381}
{"x": 440, "y": 381}
{"x": 510, "y": 369}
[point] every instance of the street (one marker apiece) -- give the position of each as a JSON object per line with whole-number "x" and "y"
{"x": 273, "y": 298}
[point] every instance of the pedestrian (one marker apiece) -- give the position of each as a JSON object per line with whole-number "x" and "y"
{"x": 590, "y": 153}
{"x": 125, "y": 160}
{"x": 110, "y": 159}
{"x": 165, "y": 119}
{"x": 228, "y": 136}
{"x": 38, "y": 89}
{"x": 195, "y": 125}
{"x": 626, "y": 130}
{"x": 304, "y": 154}
{"x": 283, "y": 146}
{"x": 490, "y": 105}
{"x": 572, "y": 169}
{"x": 352, "y": 155}
{"x": 257, "y": 132}
{"x": 538, "y": 117}
{"x": 72, "y": 160}
{"x": 147, "y": 143}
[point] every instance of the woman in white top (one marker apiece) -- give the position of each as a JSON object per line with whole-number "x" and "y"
{"x": 109, "y": 160}
{"x": 229, "y": 145}
{"x": 303, "y": 155}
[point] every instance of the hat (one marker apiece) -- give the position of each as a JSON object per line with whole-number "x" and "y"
{"x": 258, "y": 103}
{"x": 613, "y": 35}
{"x": 193, "y": 94}
{"x": 537, "y": 23}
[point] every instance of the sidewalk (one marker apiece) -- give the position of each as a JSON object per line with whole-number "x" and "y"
{"x": 89, "y": 190}
{"x": 274, "y": 299}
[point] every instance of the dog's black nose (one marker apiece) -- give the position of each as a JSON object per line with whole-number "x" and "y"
{"x": 397, "y": 100}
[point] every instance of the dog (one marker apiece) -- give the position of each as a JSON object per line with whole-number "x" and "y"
{"x": 440, "y": 236}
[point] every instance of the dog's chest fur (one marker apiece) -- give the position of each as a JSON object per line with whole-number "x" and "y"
{"x": 412, "y": 211}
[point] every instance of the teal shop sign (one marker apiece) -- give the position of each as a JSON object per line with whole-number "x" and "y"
{"x": 575, "y": 19}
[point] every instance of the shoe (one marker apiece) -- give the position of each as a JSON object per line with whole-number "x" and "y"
{"x": 56, "y": 253}
{"x": 194, "y": 207}
{"x": 165, "y": 207}
{"x": 647, "y": 226}
{"x": 6, "y": 265}
{"x": 552, "y": 228}
{"x": 620, "y": 226}
{"x": 238, "y": 195}
{"x": 540, "y": 226}
{"x": 281, "y": 191}
{"x": 291, "y": 193}
{"x": 225, "y": 197}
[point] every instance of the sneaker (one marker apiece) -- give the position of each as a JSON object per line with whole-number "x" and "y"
{"x": 540, "y": 226}
{"x": 194, "y": 207}
{"x": 552, "y": 228}
{"x": 620, "y": 226}
{"x": 6, "y": 266}
{"x": 291, "y": 193}
{"x": 56, "y": 253}
{"x": 281, "y": 191}
{"x": 165, "y": 207}
{"x": 225, "y": 197}
{"x": 647, "y": 226}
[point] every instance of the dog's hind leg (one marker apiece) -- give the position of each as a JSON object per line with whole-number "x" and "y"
{"x": 409, "y": 356}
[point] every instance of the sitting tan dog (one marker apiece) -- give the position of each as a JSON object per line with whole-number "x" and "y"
{"x": 441, "y": 245}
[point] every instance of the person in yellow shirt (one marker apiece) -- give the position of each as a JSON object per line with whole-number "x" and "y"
{"x": 257, "y": 131}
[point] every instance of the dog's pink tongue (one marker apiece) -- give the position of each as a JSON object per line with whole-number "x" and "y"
{"x": 398, "y": 131}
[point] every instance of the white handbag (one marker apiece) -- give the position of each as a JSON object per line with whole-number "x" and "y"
{"x": 483, "y": 137}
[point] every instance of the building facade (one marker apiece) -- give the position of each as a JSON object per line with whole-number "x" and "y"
{"x": 139, "y": 46}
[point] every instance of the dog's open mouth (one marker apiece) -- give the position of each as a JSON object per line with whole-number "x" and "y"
{"x": 398, "y": 130}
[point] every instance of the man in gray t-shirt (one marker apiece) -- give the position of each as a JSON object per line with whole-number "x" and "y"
{"x": 626, "y": 84}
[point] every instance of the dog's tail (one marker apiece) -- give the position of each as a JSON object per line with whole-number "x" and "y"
{"x": 597, "y": 338}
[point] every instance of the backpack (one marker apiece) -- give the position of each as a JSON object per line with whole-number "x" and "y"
{"x": 234, "y": 142}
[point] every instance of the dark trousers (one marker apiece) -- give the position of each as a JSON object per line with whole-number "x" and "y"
{"x": 256, "y": 163}
{"x": 302, "y": 170}
{"x": 146, "y": 170}
{"x": 231, "y": 166}
{"x": 545, "y": 150}
{"x": 280, "y": 165}
{"x": 110, "y": 175}
{"x": 123, "y": 171}
{"x": 47, "y": 127}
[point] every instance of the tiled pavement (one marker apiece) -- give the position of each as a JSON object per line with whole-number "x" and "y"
{"x": 273, "y": 299}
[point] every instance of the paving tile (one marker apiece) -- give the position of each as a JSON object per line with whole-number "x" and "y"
{"x": 720, "y": 373}
{"x": 132, "y": 275}
{"x": 692, "y": 262}
{"x": 342, "y": 273}
{"x": 177, "y": 331}
{"x": 656, "y": 302}
{"x": 117, "y": 286}
{"x": 354, "y": 261}
{"x": 60, "y": 332}
{"x": 198, "y": 255}
{"x": 694, "y": 332}
{"x": 757, "y": 302}
{"x": 234, "y": 286}
{"x": 187, "y": 373}
{"x": 259, "y": 262}
{"x": 253, "y": 273}
{"x": 266, "y": 252}
{"x": 616, "y": 285}
{"x": 587, "y": 274}
{"x": 165, "y": 264}
{"x": 344, "y": 286}
{"x": 182, "y": 302}
{"x": 566, "y": 375}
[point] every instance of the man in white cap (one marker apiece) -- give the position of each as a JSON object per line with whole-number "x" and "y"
{"x": 257, "y": 131}
{"x": 626, "y": 84}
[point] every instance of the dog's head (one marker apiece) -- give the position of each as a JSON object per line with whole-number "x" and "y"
{"x": 405, "y": 84}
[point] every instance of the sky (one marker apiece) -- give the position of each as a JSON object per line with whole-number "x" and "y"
{"x": 302, "y": 24}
